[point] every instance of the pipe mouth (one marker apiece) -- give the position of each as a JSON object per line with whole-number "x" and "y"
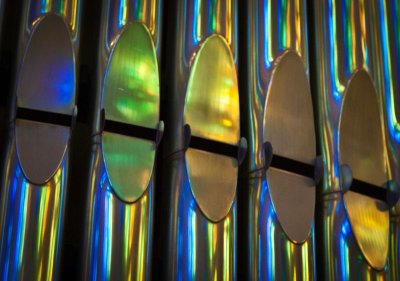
{"x": 131, "y": 96}
{"x": 47, "y": 82}
{"x": 362, "y": 148}
{"x": 289, "y": 127}
{"x": 212, "y": 111}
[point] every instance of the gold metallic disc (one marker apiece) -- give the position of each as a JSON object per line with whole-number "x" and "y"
{"x": 131, "y": 95}
{"x": 212, "y": 111}
{"x": 289, "y": 127}
{"x": 213, "y": 181}
{"x": 212, "y": 99}
{"x": 362, "y": 147}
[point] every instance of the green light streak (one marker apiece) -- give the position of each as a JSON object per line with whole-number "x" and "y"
{"x": 284, "y": 24}
{"x": 139, "y": 9}
{"x": 142, "y": 239}
{"x": 349, "y": 41}
{"x": 213, "y": 15}
{"x": 126, "y": 237}
{"x": 210, "y": 240}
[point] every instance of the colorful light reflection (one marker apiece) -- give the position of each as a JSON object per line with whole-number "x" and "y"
{"x": 31, "y": 221}
{"x": 68, "y": 9}
{"x": 275, "y": 27}
{"x": 350, "y": 35}
{"x": 388, "y": 79}
{"x": 204, "y": 248}
{"x": 277, "y": 256}
{"x": 119, "y": 235}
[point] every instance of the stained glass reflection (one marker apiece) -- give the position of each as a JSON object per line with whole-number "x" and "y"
{"x": 129, "y": 163}
{"x": 212, "y": 108}
{"x": 131, "y": 91}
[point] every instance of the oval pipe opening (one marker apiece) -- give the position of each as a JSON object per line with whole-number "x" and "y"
{"x": 131, "y": 96}
{"x": 212, "y": 111}
{"x": 362, "y": 147}
{"x": 46, "y": 83}
{"x": 289, "y": 127}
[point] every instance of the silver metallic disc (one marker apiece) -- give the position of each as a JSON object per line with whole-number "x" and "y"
{"x": 289, "y": 127}
{"x": 47, "y": 75}
{"x": 41, "y": 148}
{"x": 47, "y": 83}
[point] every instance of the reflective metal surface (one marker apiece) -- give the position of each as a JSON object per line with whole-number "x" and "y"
{"x": 389, "y": 18}
{"x": 119, "y": 218}
{"x": 200, "y": 212}
{"x": 275, "y": 28}
{"x": 195, "y": 21}
{"x": 388, "y": 46}
{"x": 361, "y": 147}
{"x": 289, "y": 120}
{"x": 68, "y": 10}
{"x": 129, "y": 164}
{"x": 212, "y": 111}
{"x": 215, "y": 192}
{"x": 131, "y": 95}
{"x": 361, "y": 139}
{"x": 350, "y": 36}
{"x": 46, "y": 82}
{"x": 370, "y": 226}
{"x": 131, "y": 85}
{"x": 130, "y": 22}
{"x": 32, "y": 215}
{"x": 394, "y": 243}
{"x": 40, "y": 149}
{"x": 289, "y": 127}
{"x": 293, "y": 198}
{"x": 196, "y": 248}
{"x": 118, "y": 233}
{"x": 347, "y": 262}
{"x": 273, "y": 256}
{"x": 47, "y": 74}
{"x": 212, "y": 98}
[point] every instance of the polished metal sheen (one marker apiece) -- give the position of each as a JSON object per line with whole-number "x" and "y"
{"x": 354, "y": 83}
{"x": 280, "y": 110}
{"x": 201, "y": 91}
{"x": 361, "y": 146}
{"x": 289, "y": 127}
{"x": 212, "y": 111}
{"x": 46, "y": 83}
{"x": 120, "y": 204}
{"x": 212, "y": 98}
{"x": 131, "y": 95}
{"x": 35, "y": 177}
{"x": 215, "y": 193}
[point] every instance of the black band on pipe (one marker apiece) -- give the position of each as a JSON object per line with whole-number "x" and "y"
{"x": 130, "y": 130}
{"x": 368, "y": 189}
{"x": 214, "y": 146}
{"x": 44, "y": 116}
{"x": 292, "y": 166}
{"x": 307, "y": 170}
